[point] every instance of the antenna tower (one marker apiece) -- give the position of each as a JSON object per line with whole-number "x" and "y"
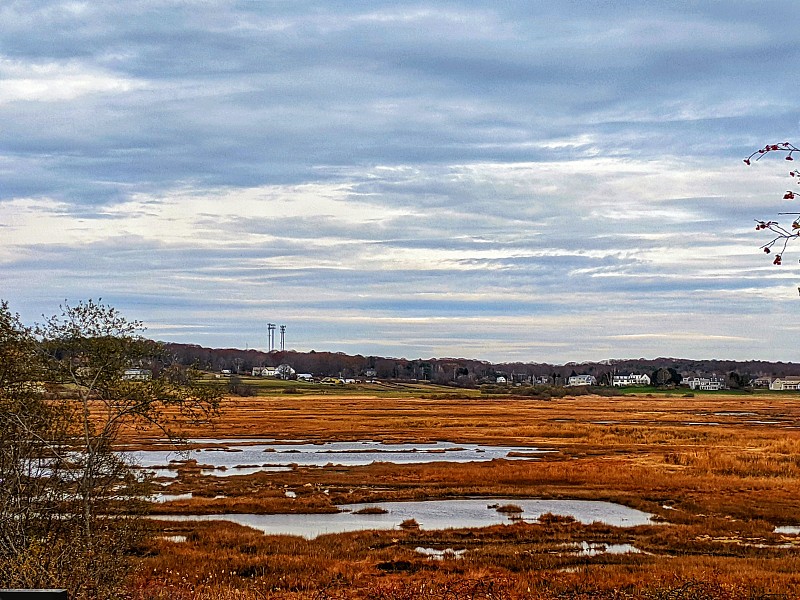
{"x": 283, "y": 336}
{"x": 271, "y": 336}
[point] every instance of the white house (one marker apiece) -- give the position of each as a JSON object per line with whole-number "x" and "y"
{"x": 711, "y": 384}
{"x": 305, "y": 377}
{"x": 785, "y": 383}
{"x": 632, "y": 379}
{"x": 762, "y": 381}
{"x": 501, "y": 379}
{"x": 284, "y": 371}
{"x": 137, "y": 375}
{"x": 577, "y": 380}
{"x": 264, "y": 371}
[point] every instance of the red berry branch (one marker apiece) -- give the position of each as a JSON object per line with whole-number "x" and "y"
{"x": 782, "y": 235}
{"x": 786, "y": 147}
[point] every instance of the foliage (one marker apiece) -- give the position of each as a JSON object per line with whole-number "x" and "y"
{"x": 66, "y": 393}
{"x": 32, "y": 434}
{"x": 89, "y": 347}
{"x": 665, "y": 377}
{"x": 237, "y": 388}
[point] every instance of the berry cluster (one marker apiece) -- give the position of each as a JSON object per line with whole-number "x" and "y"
{"x": 782, "y": 147}
{"x": 781, "y": 234}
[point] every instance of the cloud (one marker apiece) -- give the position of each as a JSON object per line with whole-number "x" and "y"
{"x": 542, "y": 181}
{"x": 57, "y": 82}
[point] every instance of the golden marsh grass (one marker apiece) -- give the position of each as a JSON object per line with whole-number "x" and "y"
{"x": 719, "y": 471}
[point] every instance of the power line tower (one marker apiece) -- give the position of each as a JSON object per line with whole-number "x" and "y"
{"x": 283, "y": 337}
{"x": 271, "y": 336}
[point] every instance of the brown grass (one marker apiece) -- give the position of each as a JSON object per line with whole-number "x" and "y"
{"x": 718, "y": 480}
{"x": 371, "y": 510}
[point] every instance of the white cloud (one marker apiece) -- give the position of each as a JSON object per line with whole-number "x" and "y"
{"x": 58, "y": 81}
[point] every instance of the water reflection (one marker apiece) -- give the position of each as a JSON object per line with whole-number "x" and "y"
{"x": 593, "y": 549}
{"x": 237, "y": 457}
{"x": 161, "y": 498}
{"x": 788, "y": 529}
{"x": 447, "y": 553}
{"x": 430, "y": 514}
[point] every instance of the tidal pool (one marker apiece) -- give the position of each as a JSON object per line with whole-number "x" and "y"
{"x": 236, "y": 457}
{"x": 430, "y": 514}
{"x": 788, "y": 529}
{"x": 161, "y": 497}
{"x": 589, "y": 549}
{"x": 435, "y": 554}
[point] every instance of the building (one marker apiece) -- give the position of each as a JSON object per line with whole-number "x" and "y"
{"x": 284, "y": 371}
{"x": 710, "y": 384}
{"x": 264, "y": 371}
{"x": 137, "y": 375}
{"x": 501, "y": 380}
{"x": 785, "y": 383}
{"x": 577, "y": 380}
{"x": 632, "y": 379}
{"x": 762, "y": 382}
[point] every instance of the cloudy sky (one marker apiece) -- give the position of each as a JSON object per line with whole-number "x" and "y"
{"x": 538, "y": 181}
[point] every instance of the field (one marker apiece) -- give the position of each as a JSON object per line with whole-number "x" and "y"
{"x": 719, "y": 472}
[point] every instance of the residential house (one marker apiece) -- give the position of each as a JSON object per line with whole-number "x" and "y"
{"x": 762, "y": 382}
{"x": 265, "y": 371}
{"x": 712, "y": 383}
{"x": 786, "y": 383}
{"x": 577, "y": 380}
{"x": 632, "y": 379}
{"x": 284, "y": 371}
{"x": 137, "y": 375}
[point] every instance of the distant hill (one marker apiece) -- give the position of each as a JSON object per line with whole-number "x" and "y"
{"x": 461, "y": 371}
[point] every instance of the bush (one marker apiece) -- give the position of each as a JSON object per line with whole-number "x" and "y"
{"x": 237, "y": 388}
{"x": 409, "y": 524}
{"x": 553, "y": 519}
{"x": 371, "y": 510}
{"x": 509, "y": 508}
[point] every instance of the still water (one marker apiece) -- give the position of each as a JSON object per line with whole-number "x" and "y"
{"x": 242, "y": 457}
{"x": 430, "y": 514}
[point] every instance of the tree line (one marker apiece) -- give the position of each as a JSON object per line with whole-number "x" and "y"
{"x": 466, "y": 372}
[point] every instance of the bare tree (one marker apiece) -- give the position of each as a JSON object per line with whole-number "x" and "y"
{"x": 782, "y": 236}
